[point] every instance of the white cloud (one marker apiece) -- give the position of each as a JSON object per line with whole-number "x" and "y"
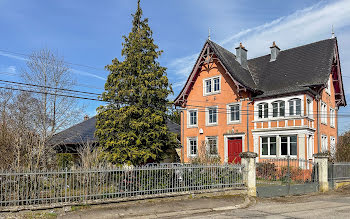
{"x": 9, "y": 70}
{"x": 303, "y": 26}
{"x": 12, "y": 56}
{"x": 88, "y": 74}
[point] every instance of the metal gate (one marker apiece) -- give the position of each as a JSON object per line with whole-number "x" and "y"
{"x": 286, "y": 176}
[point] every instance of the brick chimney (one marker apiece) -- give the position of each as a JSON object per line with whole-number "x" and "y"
{"x": 86, "y": 117}
{"x": 241, "y": 56}
{"x": 274, "y": 51}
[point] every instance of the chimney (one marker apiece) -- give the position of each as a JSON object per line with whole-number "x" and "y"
{"x": 86, "y": 117}
{"x": 241, "y": 56}
{"x": 274, "y": 51}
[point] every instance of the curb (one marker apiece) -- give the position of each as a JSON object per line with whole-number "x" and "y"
{"x": 247, "y": 202}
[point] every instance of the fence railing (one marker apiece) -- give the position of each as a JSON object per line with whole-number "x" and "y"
{"x": 339, "y": 171}
{"x": 58, "y": 187}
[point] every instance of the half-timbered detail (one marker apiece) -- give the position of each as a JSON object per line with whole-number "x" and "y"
{"x": 281, "y": 104}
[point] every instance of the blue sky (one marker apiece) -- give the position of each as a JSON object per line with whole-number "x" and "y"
{"x": 90, "y": 33}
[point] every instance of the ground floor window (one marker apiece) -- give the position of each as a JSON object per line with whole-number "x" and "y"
{"x": 268, "y": 146}
{"x": 192, "y": 146}
{"x": 212, "y": 144}
{"x": 289, "y": 145}
{"x": 324, "y": 143}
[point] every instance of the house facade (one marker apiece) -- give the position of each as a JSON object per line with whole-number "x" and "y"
{"x": 281, "y": 104}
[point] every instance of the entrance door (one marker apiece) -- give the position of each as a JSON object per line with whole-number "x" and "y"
{"x": 234, "y": 148}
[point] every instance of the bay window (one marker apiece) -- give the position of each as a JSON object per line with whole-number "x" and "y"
{"x": 263, "y": 109}
{"x": 268, "y": 146}
{"x": 278, "y": 108}
{"x": 295, "y": 107}
{"x": 289, "y": 145}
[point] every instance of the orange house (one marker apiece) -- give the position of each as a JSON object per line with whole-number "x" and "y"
{"x": 281, "y": 104}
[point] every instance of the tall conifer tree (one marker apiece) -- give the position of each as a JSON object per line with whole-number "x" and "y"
{"x": 132, "y": 127}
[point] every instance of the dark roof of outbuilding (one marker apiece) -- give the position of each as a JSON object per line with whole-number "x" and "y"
{"x": 84, "y": 132}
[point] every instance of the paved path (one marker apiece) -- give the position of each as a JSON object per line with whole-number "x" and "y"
{"x": 334, "y": 205}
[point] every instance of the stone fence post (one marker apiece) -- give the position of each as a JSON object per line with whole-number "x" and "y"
{"x": 322, "y": 161}
{"x": 249, "y": 174}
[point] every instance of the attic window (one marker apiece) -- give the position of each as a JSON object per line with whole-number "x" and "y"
{"x": 211, "y": 85}
{"x": 328, "y": 88}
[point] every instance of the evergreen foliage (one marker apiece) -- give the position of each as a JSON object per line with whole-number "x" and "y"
{"x": 132, "y": 127}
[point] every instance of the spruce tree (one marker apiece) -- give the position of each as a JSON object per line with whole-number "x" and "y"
{"x": 132, "y": 127}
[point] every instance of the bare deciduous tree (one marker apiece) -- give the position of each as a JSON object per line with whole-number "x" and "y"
{"x": 54, "y": 112}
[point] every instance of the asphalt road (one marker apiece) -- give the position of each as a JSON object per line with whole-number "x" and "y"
{"x": 330, "y": 205}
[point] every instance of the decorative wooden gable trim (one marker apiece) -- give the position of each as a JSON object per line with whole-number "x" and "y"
{"x": 206, "y": 59}
{"x": 337, "y": 79}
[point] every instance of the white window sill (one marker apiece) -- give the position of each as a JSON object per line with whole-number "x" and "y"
{"x": 332, "y": 126}
{"x": 234, "y": 122}
{"x": 268, "y": 156}
{"x": 212, "y": 124}
{"x": 192, "y": 126}
{"x": 212, "y": 93}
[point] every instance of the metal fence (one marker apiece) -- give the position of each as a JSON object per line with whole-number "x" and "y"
{"x": 339, "y": 171}
{"x": 58, "y": 187}
{"x": 286, "y": 176}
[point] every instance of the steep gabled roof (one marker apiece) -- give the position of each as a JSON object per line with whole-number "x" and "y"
{"x": 228, "y": 59}
{"x": 295, "y": 68}
{"x": 85, "y": 131}
{"x": 298, "y": 69}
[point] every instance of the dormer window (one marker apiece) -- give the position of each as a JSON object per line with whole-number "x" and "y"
{"x": 278, "y": 108}
{"x": 263, "y": 110}
{"x": 212, "y": 85}
{"x": 294, "y": 107}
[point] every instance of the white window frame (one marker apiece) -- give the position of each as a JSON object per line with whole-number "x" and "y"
{"x": 324, "y": 143}
{"x": 264, "y": 107}
{"x": 229, "y": 121}
{"x": 310, "y": 146}
{"x": 328, "y": 88}
{"x": 332, "y": 145}
{"x": 189, "y": 149}
{"x": 294, "y": 102}
{"x": 309, "y": 108}
{"x": 207, "y": 116}
{"x": 189, "y": 125}
{"x": 332, "y": 117}
{"x": 288, "y": 146}
{"x": 268, "y": 146}
{"x": 324, "y": 113}
{"x": 207, "y": 138}
{"x": 212, "y": 86}
{"x": 279, "y": 108}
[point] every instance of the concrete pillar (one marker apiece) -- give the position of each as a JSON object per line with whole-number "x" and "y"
{"x": 249, "y": 173}
{"x": 322, "y": 161}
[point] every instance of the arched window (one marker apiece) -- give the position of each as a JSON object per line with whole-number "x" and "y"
{"x": 294, "y": 107}
{"x": 278, "y": 108}
{"x": 263, "y": 110}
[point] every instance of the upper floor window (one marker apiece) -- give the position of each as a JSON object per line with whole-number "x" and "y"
{"x": 278, "y": 108}
{"x": 212, "y": 85}
{"x": 324, "y": 113}
{"x": 212, "y": 116}
{"x": 234, "y": 113}
{"x": 328, "y": 88}
{"x": 192, "y": 118}
{"x": 309, "y": 108}
{"x": 192, "y": 146}
{"x": 212, "y": 143}
{"x": 332, "y": 117}
{"x": 294, "y": 107}
{"x": 263, "y": 109}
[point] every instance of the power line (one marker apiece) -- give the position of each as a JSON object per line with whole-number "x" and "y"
{"x": 55, "y": 88}
{"x": 70, "y": 63}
